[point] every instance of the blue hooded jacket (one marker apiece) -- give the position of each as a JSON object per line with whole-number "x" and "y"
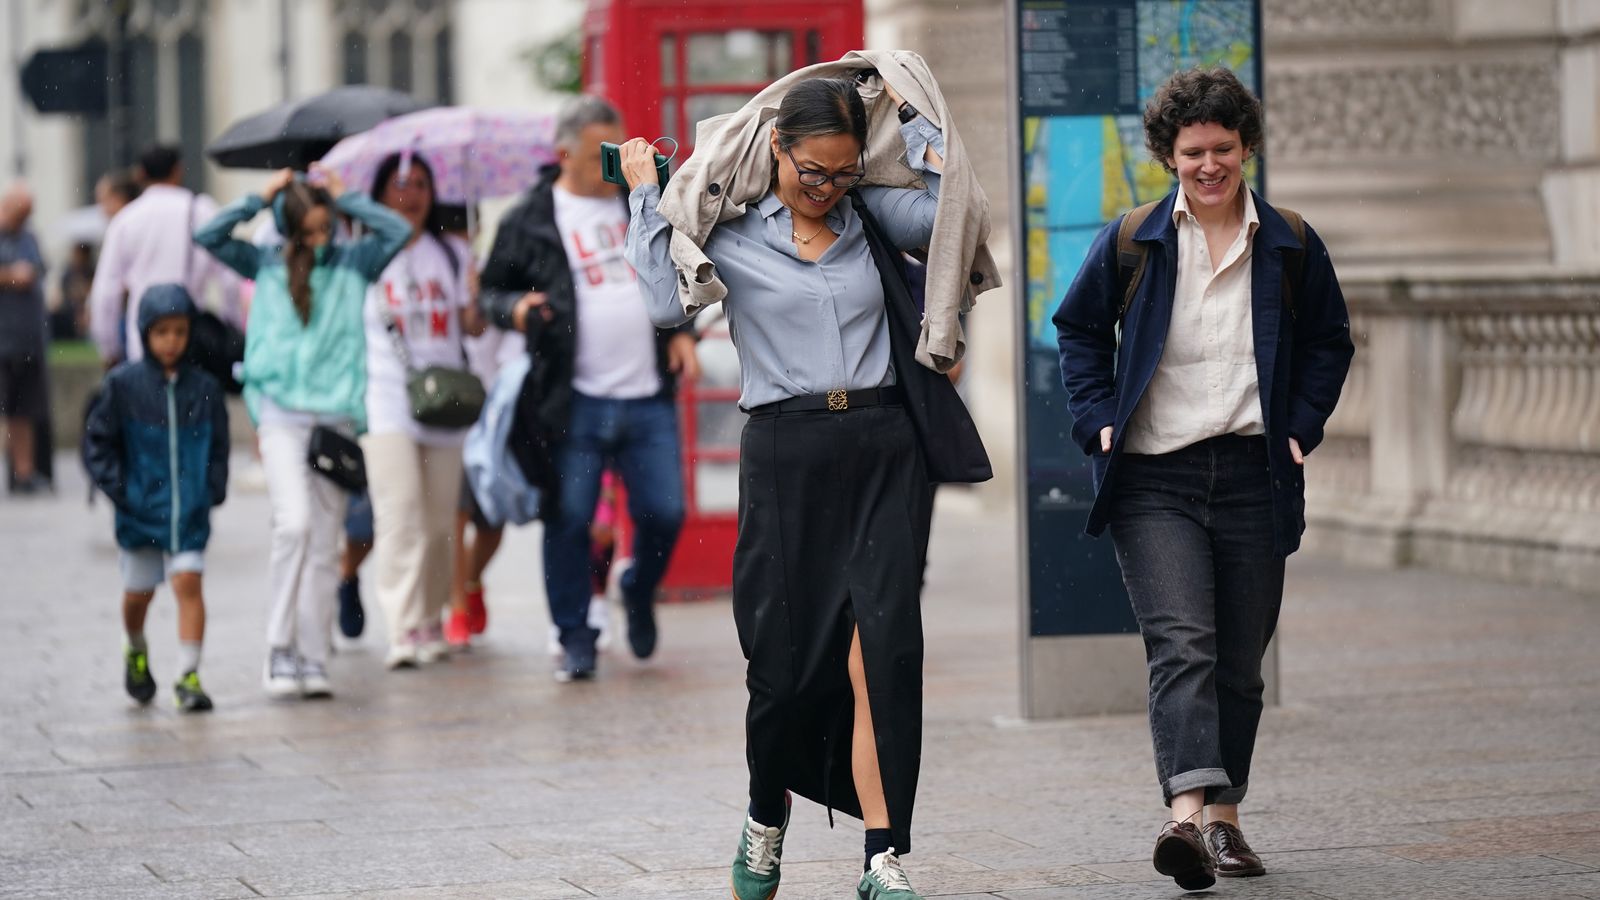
{"x": 158, "y": 446}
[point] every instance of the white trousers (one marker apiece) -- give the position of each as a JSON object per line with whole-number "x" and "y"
{"x": 307, "y": 518}
{"x": 415, "y": 490}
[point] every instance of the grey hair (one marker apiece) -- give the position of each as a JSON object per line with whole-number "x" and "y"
{"x": 581, "y": 112}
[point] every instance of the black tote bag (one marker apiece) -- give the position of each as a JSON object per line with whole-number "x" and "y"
{"x": 950, "y": 443}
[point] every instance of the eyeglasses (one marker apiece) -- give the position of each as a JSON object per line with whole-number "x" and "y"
{"x": 817, "y": 178}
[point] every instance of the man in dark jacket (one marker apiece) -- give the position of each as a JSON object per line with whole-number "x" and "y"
{"x": 604, "y": 377}
{"x": 156, "y": 443}
{"x": 23, "y": 402}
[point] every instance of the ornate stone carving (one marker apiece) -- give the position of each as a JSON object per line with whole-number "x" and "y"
{"x": 1327, "y": 18}
{"x": 1487, "y": 110}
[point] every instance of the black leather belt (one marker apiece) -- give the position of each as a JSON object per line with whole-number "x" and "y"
{"x": 834, "y": 401}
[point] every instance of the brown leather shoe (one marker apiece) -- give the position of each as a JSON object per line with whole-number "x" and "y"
{"x": 1181, "y": 855}
{"x": 1234, "y": 858}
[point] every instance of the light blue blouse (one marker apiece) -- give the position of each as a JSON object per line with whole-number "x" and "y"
{"x": 799, "y": 327}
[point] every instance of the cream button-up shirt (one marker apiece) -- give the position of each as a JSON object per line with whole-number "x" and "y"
{"x": 1205, "y": 385}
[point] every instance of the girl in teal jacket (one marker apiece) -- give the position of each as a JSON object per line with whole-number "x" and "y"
{"x": 304, "y": 367}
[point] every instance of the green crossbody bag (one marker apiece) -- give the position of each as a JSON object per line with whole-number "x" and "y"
{"x": 441, "y": 396}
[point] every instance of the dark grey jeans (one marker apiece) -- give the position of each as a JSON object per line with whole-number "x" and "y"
{"x": 1193, "y": 534}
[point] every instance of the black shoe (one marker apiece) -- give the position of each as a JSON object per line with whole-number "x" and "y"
{"x": 352, "y": 618}
{"x": 641, "y": 624}
{"x": 189, "y": 696}
{"x": 1181, "y": 855}
{"x": 33, "y": 484}
{"x": 578, "y": 657}
{"x": 136, "y": 677}
{"x": 1232, "y": 853}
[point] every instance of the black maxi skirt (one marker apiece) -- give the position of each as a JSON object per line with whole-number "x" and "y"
{"x": 834, "y": 514}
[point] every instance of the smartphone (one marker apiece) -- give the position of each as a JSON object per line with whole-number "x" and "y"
{"x": 611, "y": 165}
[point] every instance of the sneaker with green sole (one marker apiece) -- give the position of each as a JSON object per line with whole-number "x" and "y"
{"x": 886, "y": 879}
{"x": 189, "y": 696}
{"x": 136, "y": 677}
{"x": 756, "y": 867}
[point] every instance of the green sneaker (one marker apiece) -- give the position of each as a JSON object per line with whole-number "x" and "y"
{"x": 886, "y": 880}
{"x": 189, "y": 696}
{"x": 136, "y": 677}
{"x": 755, "y": 868}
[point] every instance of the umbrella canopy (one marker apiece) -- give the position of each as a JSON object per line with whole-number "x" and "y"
{"x": 299, "y": 132}
{"x": 475, "y": 154}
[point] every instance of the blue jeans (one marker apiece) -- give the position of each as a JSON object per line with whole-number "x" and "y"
{"x": 1193, "y": 531}
{"x": 639, "y": 439}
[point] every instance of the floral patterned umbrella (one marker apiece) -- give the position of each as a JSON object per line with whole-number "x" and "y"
{"x": 475, "y": 154}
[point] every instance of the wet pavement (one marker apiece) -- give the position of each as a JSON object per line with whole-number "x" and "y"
{"x": 1439, "y": 737}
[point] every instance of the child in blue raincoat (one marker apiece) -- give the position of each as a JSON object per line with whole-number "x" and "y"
{"x": 156, "y": 442}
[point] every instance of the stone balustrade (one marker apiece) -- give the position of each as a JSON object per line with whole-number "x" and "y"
{"x": 1468, "y": 435}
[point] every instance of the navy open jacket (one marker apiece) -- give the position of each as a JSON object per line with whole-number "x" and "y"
{"x": 1302, "y": 347}
{"x": 158, "y": 447}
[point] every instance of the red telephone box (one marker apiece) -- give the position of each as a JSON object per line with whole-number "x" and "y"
{"x": 667, "y": 64}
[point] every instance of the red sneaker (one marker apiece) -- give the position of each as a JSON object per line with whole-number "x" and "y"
{"x": 477, "y": 614}
{"x": 456, "y": 632}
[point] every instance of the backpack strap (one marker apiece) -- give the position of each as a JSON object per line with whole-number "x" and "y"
{"x": 449, "y": 253}
{"x": 1131, "y": 255}
{"x": 1293, "y": 260}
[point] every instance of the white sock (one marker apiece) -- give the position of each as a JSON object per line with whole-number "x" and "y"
{"x": 136, "y": 642}
{"x": 188, "y": 657}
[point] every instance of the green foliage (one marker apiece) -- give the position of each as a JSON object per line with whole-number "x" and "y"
{"x": 558, "y": 65}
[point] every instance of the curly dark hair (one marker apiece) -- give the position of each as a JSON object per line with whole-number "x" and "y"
{"x": 1200, "y": 95}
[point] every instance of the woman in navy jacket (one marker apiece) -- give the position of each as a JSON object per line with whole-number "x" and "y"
{"x": 1198, "y": 403}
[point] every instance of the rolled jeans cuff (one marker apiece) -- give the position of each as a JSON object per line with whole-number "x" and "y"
{"x": 1195, "y": 778}
{"x": 1231, "y": 796}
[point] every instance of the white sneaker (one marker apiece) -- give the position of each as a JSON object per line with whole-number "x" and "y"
{"x": 431, "y": 645}
{"x": 403, "y": 652}
{"x": 282, "y": 677}
{"x": 314, "y": 683}
{"x": 600, "y": 620}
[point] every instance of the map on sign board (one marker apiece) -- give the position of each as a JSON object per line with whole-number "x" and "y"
{"x": 1087, "y": 70}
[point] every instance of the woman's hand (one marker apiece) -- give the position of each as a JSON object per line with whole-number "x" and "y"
{"x": 683, "y": 360}
{"x": 639, "y": 163}
{"x": 1294, "y": 452}
{"x": 279, "y": 180}
{"x": 328, "y": 179}
{"x": 530, "y": 301}
{"x": 1105, "y": 439}
{"x": 472, "y": 321}
{"x": 888, "y": 91}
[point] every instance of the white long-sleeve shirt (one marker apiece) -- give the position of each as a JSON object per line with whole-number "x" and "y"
{"x": 1205, "y": 385}
{"x": 151, "y": 242}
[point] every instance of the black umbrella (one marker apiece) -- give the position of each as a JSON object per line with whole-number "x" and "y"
{"x": 296, "y": 133}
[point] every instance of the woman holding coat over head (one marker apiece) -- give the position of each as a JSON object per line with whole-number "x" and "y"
{"x": 1232, "y": 351}
{"x": 834, "y": 487}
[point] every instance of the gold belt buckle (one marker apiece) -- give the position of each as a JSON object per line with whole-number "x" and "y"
{"x": 838, "y": 401}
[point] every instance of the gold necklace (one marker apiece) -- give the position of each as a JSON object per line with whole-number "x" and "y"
{"x": 807, "y": 240}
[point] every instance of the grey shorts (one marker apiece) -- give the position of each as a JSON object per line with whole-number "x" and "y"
{"x": 144, "y": 570}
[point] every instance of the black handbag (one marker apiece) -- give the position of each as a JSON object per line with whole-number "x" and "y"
{"x": 338, "y": 458}
{"x": 217, "y": 346}
{"x": 950, "y": 442}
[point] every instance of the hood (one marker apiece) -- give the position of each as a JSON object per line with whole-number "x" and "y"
{"x": 160, "y": 301}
